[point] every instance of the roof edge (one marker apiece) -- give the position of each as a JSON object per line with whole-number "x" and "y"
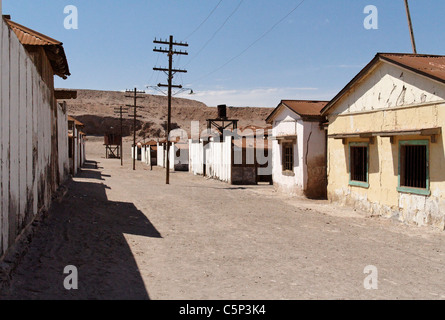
{"x": 379, "y": 57}
{"x": 303, "y": 116}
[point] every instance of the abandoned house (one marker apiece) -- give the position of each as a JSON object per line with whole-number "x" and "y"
{"x": 386, "y": 148}
{"x": 299, "y": 148}
{"x": 76, "y": 144}
{"x": 179, "y": 154}
{"x": 149, "y": 153}
{"x": 237, "y": 156}
{"x": 34, "y": 127}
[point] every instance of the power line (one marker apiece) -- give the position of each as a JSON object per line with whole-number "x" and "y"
{"x": 205, "y": 20}
{"x": 216, "y": 32}
{"x": 170, "y": 51}
{"x": 153, "y": 72}
{"x": 253, "y": 43}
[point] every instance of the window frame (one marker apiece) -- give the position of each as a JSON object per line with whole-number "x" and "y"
{"x": 420, "y": 191}
{"x": 356, "y": 183}
{"x": 283, "y": 159}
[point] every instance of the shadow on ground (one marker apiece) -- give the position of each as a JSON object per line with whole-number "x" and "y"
{"x": 85, "y": 230}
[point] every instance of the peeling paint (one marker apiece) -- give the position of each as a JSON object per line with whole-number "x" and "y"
{"x": 392, "y": 104}
{"x": 29, "y": 147}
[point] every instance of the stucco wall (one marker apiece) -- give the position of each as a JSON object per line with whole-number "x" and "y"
{"x": 309, "y": 156}
{"x": 375, "y": 106}
{"x": 288, "y": 123}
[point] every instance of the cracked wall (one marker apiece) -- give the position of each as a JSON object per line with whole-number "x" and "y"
{"x": 389, "y": 99}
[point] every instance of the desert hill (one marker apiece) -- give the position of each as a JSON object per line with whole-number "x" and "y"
{"x": 96, "y": 110}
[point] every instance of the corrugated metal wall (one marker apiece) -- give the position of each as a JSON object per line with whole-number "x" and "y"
{"x": 33, "y": 140}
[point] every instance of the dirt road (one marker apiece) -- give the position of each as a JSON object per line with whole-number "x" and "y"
{"x": 133, "y": 237}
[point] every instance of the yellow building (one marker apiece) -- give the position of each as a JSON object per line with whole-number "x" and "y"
{"x": 385, "y": 144}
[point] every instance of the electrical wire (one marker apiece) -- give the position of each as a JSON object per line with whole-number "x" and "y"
{"x": 216, "y": 32}
{"x": 253, "y": 43}
{"x": 205, "y": 20}
{"x": 153, "y": 72}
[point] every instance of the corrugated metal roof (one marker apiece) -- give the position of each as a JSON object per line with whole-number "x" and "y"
{"x": 76, "y": 122}
{"x": 307, "y": 109}
{"x": 54, "y": 48}
{"x": 432, "y": 66}
{"x": 30, "y": 37}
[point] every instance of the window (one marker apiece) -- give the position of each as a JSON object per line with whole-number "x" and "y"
{"x": 413, "y": 167}
{"x": 288, "y": 157}
{"x": 358, "y": 164}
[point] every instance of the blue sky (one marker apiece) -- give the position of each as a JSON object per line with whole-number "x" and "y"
{"x": 311, "y": 54}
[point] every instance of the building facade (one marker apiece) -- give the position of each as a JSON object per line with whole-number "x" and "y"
{"x": 33, "y": 130}
{"x": 386, "y": 148}
{"x": 299, "y": 148}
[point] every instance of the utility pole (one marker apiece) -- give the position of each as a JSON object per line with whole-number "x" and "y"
{"x": 120, "y": 111}
{"x": 410, "y": 24}
{"x": 170, "y": 72}
{"x": 135, "y": 106}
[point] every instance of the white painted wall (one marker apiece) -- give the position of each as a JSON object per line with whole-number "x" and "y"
{"x": 309, "y": 153}
{"x": 26, "y": 117}
{"x": 287, "y": 123}
{"x": 62, "y": 128}
{"x": 196, "y": 157}
{"x": 160, "y": 153}
{"x": 146, "y": 155}
{"x": 391, "y": 86}
{"x": 162, "y": 156}
{"x": 217, "y": 157}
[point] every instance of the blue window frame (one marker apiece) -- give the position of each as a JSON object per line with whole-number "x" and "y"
{"x": 413, "y": 175}
{"x": 359, "y": 164}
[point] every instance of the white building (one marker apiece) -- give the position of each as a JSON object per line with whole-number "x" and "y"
{"x": 299, "y": 148}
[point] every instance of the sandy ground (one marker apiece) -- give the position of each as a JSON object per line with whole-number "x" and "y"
{"x": 133, "y": 237}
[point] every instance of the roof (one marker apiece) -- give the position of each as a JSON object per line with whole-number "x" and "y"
{"x": 307, "y": 109}
{"x": 63, "y": 94}
{"x": 76, "y": 122}
{"x": 53, "y": 48}
{"x": 150, "y": 143}
{"x": 431, "y": 66}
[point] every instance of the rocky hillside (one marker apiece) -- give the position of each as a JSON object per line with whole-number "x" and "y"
{"x": 96, "y": 110}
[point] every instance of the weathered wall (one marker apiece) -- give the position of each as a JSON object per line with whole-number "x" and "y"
{"x": 314, "y": 160}
{"x": 30, "y": 167}
{"x": 216, "y": 156}
{"x": 74, "y": 160}
{"x": 196, "y": 157}
{"x": 388, "y": 86}
{"x": 288, "y": 123}
{"x": 218, "y": 159}
{"x": 162, "y": 156}
{"x": 62, "y": 133}
{"x": 375, "y": 106}
{"x": 149, "y": 155}
{"x": 309, "y": 174}
{"x": 181, "y": 156}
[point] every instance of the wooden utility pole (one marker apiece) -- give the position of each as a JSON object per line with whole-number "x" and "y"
{"x": 120, "y": 111}
{"x": 410, "y": 24}
{"x": 135, "y": 116}
{"x": 170, "y": 72}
